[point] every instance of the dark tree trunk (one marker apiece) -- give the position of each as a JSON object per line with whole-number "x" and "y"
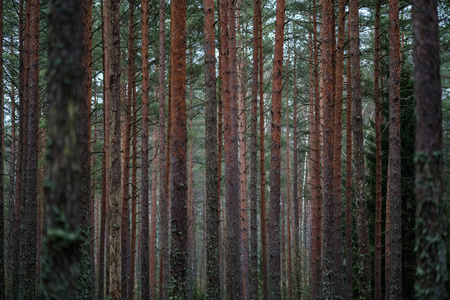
{"x": 178, "y": 163}
{"x": 275, "y": 160}
{"x": 357, "y": 126}
{"x": 253, "y": 271}
{"x": 378, "y": 174}
{"x": 2, "y": 198}
{"x": 30, "y": 204}
{"x": 153, "y": 215}
{"x": 212, "y": 197}
{"x": 144, "y": 233}
{"x": 114, "y": 229}
{"x": 395, "y": 191}
{"x": 65, "y": 274}
{"x": 431, "y": 219}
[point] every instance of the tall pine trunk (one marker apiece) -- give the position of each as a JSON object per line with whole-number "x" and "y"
{"x": 432, "y": 277}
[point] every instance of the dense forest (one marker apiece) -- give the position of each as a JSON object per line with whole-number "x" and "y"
{"x": 222, "y": 150}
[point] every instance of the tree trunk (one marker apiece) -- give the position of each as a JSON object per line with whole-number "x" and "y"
{"x": 144, "y": 159}
{"x": 288, "y": 192}
{"x": 125, "y": 237}
{"x": 163, "y": 154}
{"x": 329, "y": 219}
{"x": 114, "y": 229}
{"x": 2, "y": 198}
{"x": 275, "y": 158}
{"x": 212, "y": 197}
{"x": 378, "y": 171}
{"x": 65, "y": 274}
{"x": 253, "y": 271}
{"x": 262, "y": 155}
{"x": 395, "y": 191}
{"x": 131, "y": 282}
{"x": 339, "y": 286}
{"x": 30, "y": 204}
{"x": 348, "y": 189}
{"x": 153, "y": 215}
{"x": 357, "y": 126}
{"x": 432, "y": 277}
{"x": 178, "y": 167}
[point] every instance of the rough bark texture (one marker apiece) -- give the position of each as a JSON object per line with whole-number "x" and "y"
{"x": 153, "y": 216}
{"x": 262, "y": 167}
{"x": 253, "y": 270}
{"x": 387, "y": 240}
{"x": 67, "y": 187}
{"x": 338, "y": 268}
{"x": 125, "y": 237}
{"x": 2, "y": 198}
{"x": 395, "y": 191}
{"x": 275, "y": 158}
{"x": 114, "y": 229}
{"x": 212, "y": 196}
{"x": 178, "y": 163}
{"x": 348, "y": 190}
{"x": 431, "y": 272}
{"x": 288, "y": 192}
{"x": 163, "y": 153}
{"x": 233, "y": 218}
{"x": 358, "y": 151}
{"x": 316, "y": 198}
{"x": 378, "y": 174}
{"x": 328, "y": 223}
{"x": 144, "y": 159}
{"x": 29, "y": 209}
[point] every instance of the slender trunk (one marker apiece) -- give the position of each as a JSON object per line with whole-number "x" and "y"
{"x": 316, "y": 206}
{"x": 212, "y": 197}
{"x": 234, "y": 267}
{"x": 153, "y": 215}
{"x": 2, "y": 135}
{"x": 395, "y": 191}
{"x": 253, "y": 271}
{"x": 125, "y": 237}
{"x": 288, "y": 192}
{"x": 144, "y": 159}
{"x": 262, "y": 155}
{"x": 131, "y": 282}
{"x": 387, "y": 239}
{"x": 339, "y": 287}
{"x": 114, "y": 230}
{"x": 178, "y": 170}
{"x": 378, "y": 174}
{"x": 163, "y": 154}
{"x": 431, "y": 219}
{"x": 30, "y": 204}
{"x": 358, "y": 137}
{"x": 348, "y": 188}
{"x": 106, "y": 145}
{"x": 275, "y": 157}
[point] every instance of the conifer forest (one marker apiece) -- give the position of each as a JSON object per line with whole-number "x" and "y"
{"x": 224, "y": 149}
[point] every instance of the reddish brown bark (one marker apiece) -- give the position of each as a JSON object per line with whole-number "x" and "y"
{"x": 378, "y": 174}
{"x": 178, "y": 170}
{"x": 387, "y": 239}
{"x": 144, "y": 233}
{"x": 395, "y": 291}
{"x": 348, "y": 189}
{"x": 262, "y": 154}
{"x": 253, "y": 271}
{"x": 275, "y": 160}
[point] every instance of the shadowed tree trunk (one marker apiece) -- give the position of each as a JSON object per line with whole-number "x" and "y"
{"x": 2, "y": 135}
{"x": 275, "y": 158}
{"x": 378, "y": 174}
{"x": 178, "y": 163}
{"x": 431, "y": 270}
{"x": 395, "y": 192}
{"x": 253, "y": 270}
{"x": 114, "y": 230}
{"x": 358, "y": 151}
{"x": 144, "y": 159}
{"x": 288, "y": 191}
{"x": 212, "y": 197}
{"x": 30, "y": 204}
{"x": 153, "y": 215}
{"x": 67, "y": 188}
